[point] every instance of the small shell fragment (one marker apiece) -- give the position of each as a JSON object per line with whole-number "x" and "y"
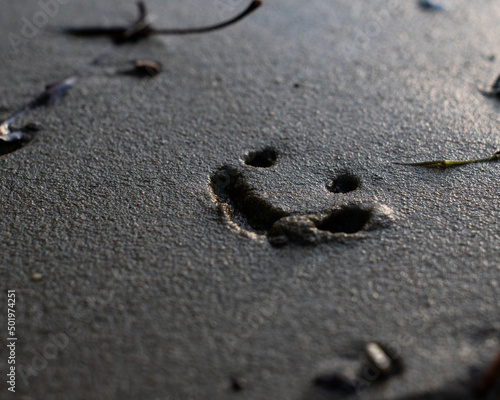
{"x": 382, "y": 361}
{"x": 378, "y": 357}
{"x": 11, "y": 136}
{"x": 147, "y": 67}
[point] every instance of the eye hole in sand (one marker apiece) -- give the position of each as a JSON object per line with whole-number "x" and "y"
{"x": 264, "y": 158}
{"x": 344, "y": 183}
{"x": 348, "y": 219}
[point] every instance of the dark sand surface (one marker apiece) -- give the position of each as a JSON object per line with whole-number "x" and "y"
{"x": 146, "y": 292}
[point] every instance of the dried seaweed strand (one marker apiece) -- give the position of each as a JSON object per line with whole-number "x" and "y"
{"x": 142, "y": 29}
{"x": 452, "y": 163}
{"x": 252, "y": 7}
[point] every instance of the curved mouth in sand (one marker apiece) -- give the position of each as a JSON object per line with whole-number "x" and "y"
{"x": 247, "y": 212}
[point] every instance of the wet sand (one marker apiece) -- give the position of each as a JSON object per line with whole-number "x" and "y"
{"x": 157, "y": 279}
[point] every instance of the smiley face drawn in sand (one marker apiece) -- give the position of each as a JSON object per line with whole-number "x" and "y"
{"x": 271, "y": 209}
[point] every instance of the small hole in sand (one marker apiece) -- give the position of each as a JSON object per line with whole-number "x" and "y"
{"x": 349, "y": 219}
{"x": 262, "y": 158}
{"x": 344, "y": 183}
